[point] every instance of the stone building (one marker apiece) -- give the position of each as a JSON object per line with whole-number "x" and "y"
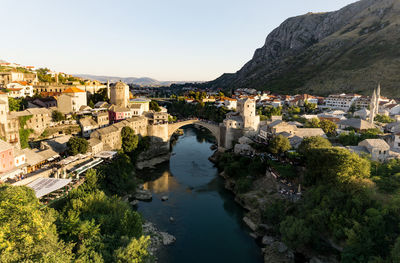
{"x": 111, "y": 136}
{"x": 102, "y": 119}
{"x": 247, "y": 110}
{"x": 378, "y": 149}
{"x": 119, "y": 94}
{"x": 11, "y": 76}
{"x": 242, "y": 122}
{"x": 71, "y": 100}
{"x": 9, "y": 125}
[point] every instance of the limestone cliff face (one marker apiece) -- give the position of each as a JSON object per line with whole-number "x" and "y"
{"x": 352, "y": 48}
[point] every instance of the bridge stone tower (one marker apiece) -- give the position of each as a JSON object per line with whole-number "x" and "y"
{"x": 119, "y": 94}
{"x": 247, "y": 110}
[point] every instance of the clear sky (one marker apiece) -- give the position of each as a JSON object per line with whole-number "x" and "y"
{"x": 162, "y": 39}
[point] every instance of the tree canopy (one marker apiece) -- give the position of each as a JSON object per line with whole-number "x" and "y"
{"x": 129, "y": 139}
{"x": 57, "y": 116}
{"x": 27, "y": 233}
{"x": 279, "y": 144}
{"x": 154, "y": 106}
{"x": 77, "y": 145}
{"x": 313, "y": 142}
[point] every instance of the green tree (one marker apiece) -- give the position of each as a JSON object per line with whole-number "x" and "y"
{"x": 77, "y": 145}
{"x": 279, "y": 145}
{"x": 313, "y": 123}
{"x": 335, "y": 165}
{"x": 309, "y": 107}
{"x": 135, "y": 252}
{"x": 350, "y": 138}
{"x": 383, "y": 119}
{"x": 27, "y": 232}
{"x": 154, "y": 106}
{"x": 43, "y": 76}
{"x": 313, "y": 142}
{"x": 296, "y": 232}
{"x": 17, "y": 104}
{"x": 129, "y": 139}
{"x": 328, "y": 126}
{"x": 57, "y": 116}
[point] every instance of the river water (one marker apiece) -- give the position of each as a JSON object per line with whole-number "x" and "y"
{"x": 207, "y": 222}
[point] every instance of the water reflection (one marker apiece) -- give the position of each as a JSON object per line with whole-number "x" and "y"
{"x": 163, "y": 184}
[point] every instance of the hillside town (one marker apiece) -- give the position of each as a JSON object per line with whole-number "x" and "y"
{"x": 55, "y": 111}
{"x": 43, "y": 113}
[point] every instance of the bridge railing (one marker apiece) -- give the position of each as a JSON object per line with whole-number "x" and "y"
{"x": 195, "y": 119}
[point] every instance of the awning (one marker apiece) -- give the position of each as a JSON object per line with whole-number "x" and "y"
{"x": 44, "y": 186}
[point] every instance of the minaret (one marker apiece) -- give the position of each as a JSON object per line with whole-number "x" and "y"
{"x": 372, "y": 108}
{"x": 378, "y": 96}
{"x": 108, "y": 89}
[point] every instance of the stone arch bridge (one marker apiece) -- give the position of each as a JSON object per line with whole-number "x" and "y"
{"x": 212, "y": 127}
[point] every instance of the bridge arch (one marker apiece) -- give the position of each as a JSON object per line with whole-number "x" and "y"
{"x": 213, "y": 128}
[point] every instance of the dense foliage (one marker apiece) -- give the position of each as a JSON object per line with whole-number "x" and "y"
{"x": 77, "y": 145}
{"x": 313, "y": 142}
{"x": 243, "y": 169}
{"x": 23, "y": 131}
{"x": 353, "y": 138}
{"x": 100, "y": 95}
{"x": 181, "y": 109}
{"x": 15, "y": 104}
{"x": 269, "y": 111}
{"x": 57, "y": 116}
{"x": 327, "y": 126}
{"x": 154, "y": 106}
{"x": 383, "y": 119}
{"x": 28, "y": 233}
{"x": 102, "y": 228}
{"x": 279, "y": 145}
{"x": 340, "y": 206}
{"x": 129, "y": 139}
{"x": 87, "y": 226}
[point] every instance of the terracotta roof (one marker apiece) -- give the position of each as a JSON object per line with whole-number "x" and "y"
{"x": 73, "y": 90}
{"x": 24, "y": 83}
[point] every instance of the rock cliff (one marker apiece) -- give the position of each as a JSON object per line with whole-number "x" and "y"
{"x": 351, "y": 49}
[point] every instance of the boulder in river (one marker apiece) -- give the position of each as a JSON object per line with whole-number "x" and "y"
{"x": 143, "y": 195}
{"x": 167, "y": 239}
{"x": 250, "y": 223}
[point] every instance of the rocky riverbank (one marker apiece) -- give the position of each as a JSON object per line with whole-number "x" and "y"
{"x": 157, "y": 238}
{"x": 263, "y": 192}
{"x": 157, "y": 153}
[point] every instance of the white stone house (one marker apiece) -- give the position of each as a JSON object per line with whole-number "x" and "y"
{"x": 230, "y": 103}
{"x": 378, "y": 148}
{"x": 88, "y": 125}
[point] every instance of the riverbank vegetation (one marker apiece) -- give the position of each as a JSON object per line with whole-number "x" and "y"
{"x": 349, "y": 207}
{"x": 91, "y": 224}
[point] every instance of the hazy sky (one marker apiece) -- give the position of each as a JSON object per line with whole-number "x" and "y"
{"x": 162, "y": 39}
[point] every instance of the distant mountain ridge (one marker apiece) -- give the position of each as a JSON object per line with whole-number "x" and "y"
{"x": 349, "y": 50}
{"x": 144, "y": 81}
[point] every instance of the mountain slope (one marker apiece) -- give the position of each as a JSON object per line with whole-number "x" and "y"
{"x": 348, "y": 50}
